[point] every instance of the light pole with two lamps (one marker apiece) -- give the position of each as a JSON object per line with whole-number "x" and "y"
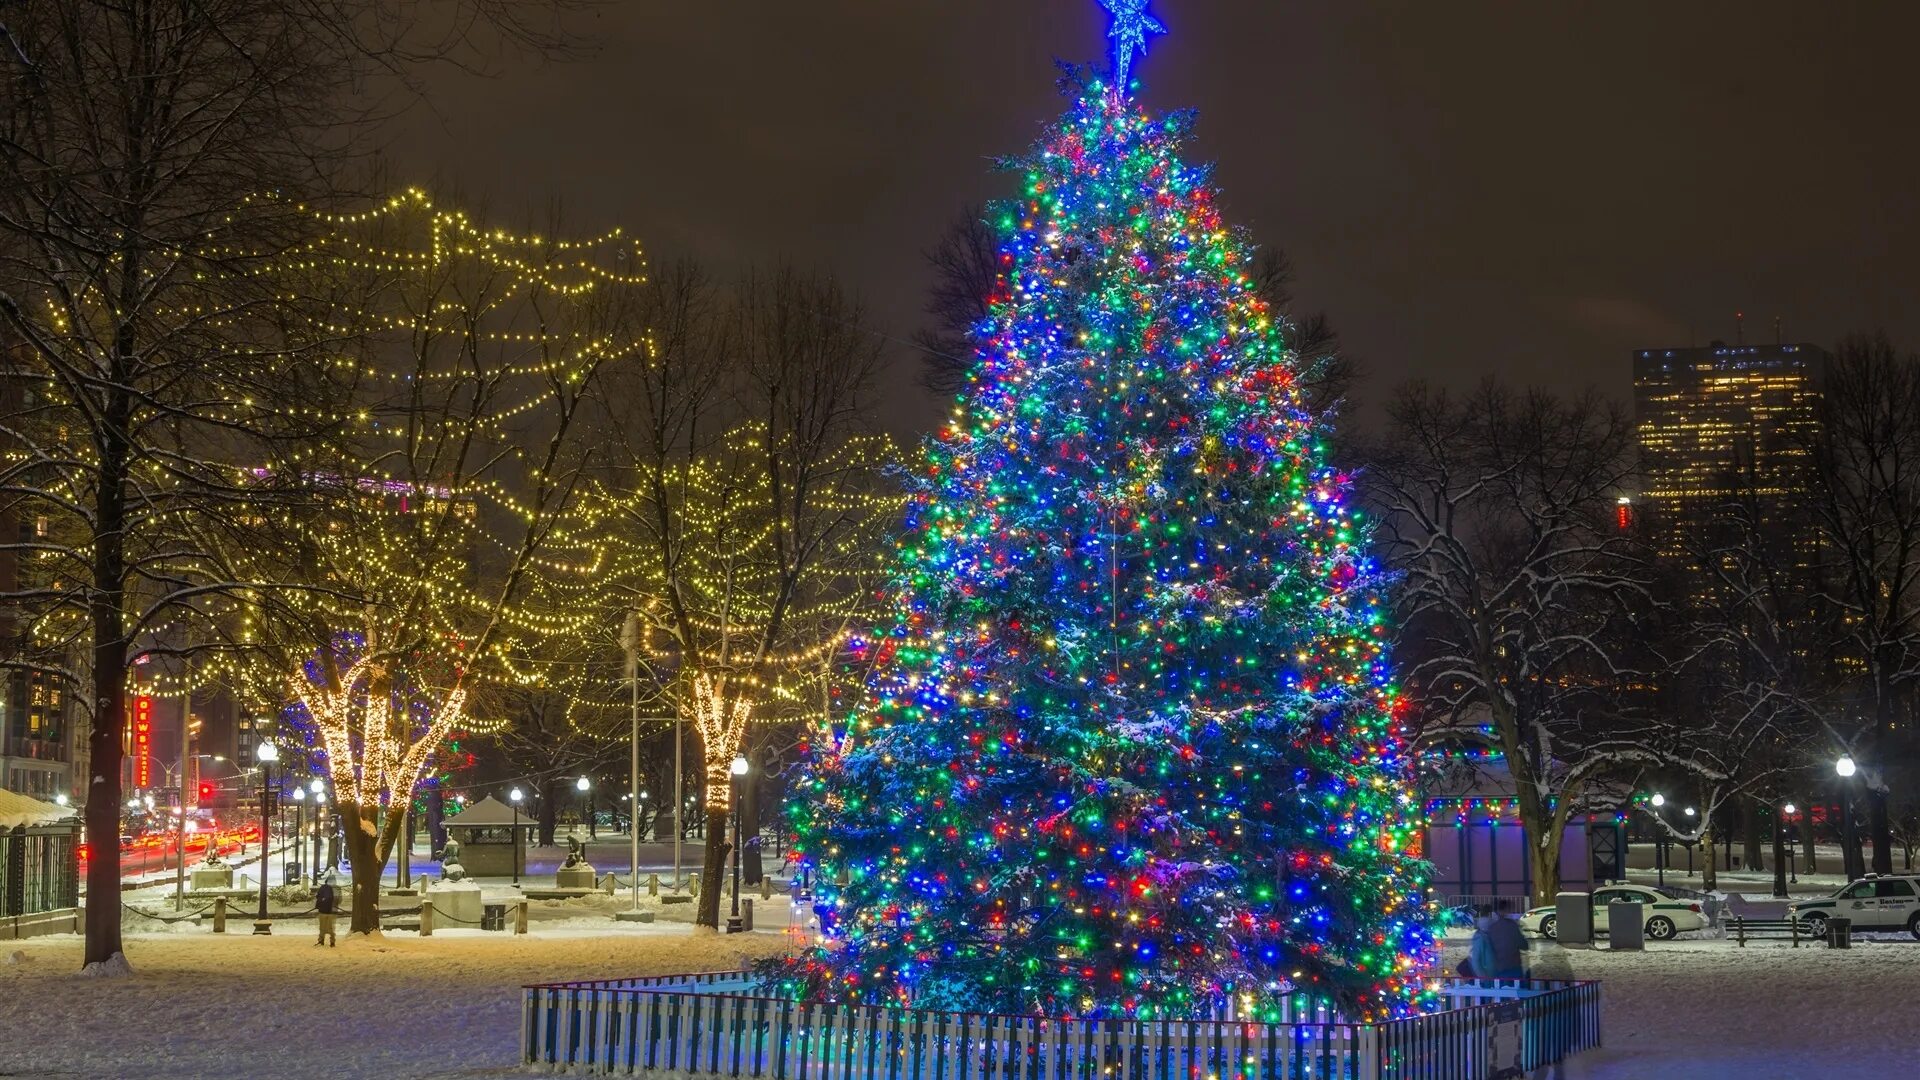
{"x": 266, "y": 754}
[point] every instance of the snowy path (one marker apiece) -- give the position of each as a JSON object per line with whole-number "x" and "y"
{"x": 448, "y": 1006}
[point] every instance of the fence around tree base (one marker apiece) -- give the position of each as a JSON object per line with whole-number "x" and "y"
{"x": 716, "y": 1024}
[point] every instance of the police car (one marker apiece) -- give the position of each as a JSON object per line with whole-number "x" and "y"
{"x": 1661, "y": 915}
{"x": 1873, "y": 903}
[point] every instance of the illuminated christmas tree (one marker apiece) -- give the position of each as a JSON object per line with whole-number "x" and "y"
{"x": 1132, "y": 748}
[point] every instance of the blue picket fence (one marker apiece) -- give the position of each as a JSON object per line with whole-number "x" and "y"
{"x": 715, "y": 1024}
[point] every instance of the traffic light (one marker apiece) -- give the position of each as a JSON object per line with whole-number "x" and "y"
{"x": 206, "y": 792}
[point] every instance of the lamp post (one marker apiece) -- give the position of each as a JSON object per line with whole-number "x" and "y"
{"x": 1689, "y": 813}
{"x": 299, "y": 827}
{"x": 1849, "y": 831}
{"x": 585, "y": 786}
{"x": 734, "y": 925}
{"x": 319, "y": 792}
{"x": 514, "y": 797}
{"x": 266, "y": 755}
{"x": 1792, "y": 842}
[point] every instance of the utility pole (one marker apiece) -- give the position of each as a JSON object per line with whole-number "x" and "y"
{"x": 180, "y": 823}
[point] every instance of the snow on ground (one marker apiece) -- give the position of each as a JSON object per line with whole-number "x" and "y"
{"x": 234, "y": 1005}
{"x": 402, "y": 1006}
{"x": 1706, "y": 1009}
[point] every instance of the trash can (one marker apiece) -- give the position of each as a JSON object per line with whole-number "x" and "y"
{"x": 493, "y": 917}
{"x": 1573, "y": 918}
{"x": 1626, "y": 926}
{"x": 290, "y": 873}
{"x": 1839, "y": 933}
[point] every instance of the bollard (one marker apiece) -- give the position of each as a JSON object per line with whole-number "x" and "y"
{"x": 746, "y": 914}
{"x": 426, "y": 918}
{"x": 766, "y": 886}
{"x": 653, "y": 884}
{"x": 219, "y": 914}
{"x": 693, "y": 884}
{"x": 520, "y": 916}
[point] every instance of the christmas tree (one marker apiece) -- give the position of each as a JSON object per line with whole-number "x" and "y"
{"x": 1132, "y": 746}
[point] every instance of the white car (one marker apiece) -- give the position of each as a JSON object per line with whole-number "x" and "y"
{"x": 1662, "y": 915}
{"x": 1873, "y": 903}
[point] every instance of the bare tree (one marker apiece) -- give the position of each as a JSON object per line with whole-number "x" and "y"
{"x": 133, "y": 135}
{"x": 404, "y": 595}
{"x": 1866, "y": 465}
{"x": 1519, "y": 595}
{"x": 745, "y": 502}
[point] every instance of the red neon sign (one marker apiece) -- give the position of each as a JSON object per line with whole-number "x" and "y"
{"x": 142, "y": 741}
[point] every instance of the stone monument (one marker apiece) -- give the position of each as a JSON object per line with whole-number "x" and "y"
{"x": 212, "y": 875}
{"x": 576, "y": 872}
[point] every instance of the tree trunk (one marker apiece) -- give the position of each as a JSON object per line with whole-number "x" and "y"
{"x": 103, "y": 790}
{"x": 1754, "y": 858}
{"x": 1779, "y": 851}
{"x": 549, "y": 812}
{"x": 106, "y": 608}
{"x": 1709, "y": 873}
{"x": 1806, "y": 832}
{"x": 1880, "y": 827}
{"x": 436, "y": 819}
{"x": 1546, "y": 868}
{"x": 713, "y": 870}
{"x": 362, "y": 827}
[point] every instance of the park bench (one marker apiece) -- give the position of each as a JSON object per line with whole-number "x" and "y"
{"x": 1744, "y": 928}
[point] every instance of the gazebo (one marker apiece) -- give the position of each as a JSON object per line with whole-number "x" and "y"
{"x": 491, "y": 844}
{"x": 39, "y": 868}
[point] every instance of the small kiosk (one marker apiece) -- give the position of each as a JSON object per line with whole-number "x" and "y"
{"x": 492, "y": 842}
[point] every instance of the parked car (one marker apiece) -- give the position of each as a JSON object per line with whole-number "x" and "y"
{"x": 1873, "y": 903}
{"x": 1662, "y": 914}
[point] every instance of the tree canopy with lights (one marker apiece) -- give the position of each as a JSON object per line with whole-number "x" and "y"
{"x": 1133, "y": 747}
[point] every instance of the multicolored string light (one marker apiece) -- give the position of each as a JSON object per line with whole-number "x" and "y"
{"x": 1133, "y": 748}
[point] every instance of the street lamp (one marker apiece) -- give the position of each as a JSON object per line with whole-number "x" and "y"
{"x": 1792, "y": 842}
{"x": 266, "y": 754}
{"x": 583, "y": 786}
{"x": 318, "y": 790}
{"x": 1850, "y": 841}
{"x": 1690, "y": 843}
{"x": 514, "y": 797}
{"x": 1659, "y": 838}
{"x": 739, "y": 770}
{"x": 299, "y": 827}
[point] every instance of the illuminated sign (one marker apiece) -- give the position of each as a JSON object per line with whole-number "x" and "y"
{"x": 142, "y": 741}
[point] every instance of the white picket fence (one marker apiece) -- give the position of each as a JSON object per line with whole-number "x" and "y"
{"x": 715, "y": 1025}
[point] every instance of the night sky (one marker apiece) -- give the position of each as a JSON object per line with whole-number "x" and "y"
{"x": 1527, "y": 189}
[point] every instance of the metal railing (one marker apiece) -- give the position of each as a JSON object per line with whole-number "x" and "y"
{"x": 716, "y": 1024}
{"x": 39, "y": 869}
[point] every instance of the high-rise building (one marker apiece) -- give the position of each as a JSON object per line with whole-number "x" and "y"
{"x": 1718, "y": 423}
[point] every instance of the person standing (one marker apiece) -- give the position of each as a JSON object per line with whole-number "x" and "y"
{"x": 323, "y": 902}
{"x": 1506, "y": 944}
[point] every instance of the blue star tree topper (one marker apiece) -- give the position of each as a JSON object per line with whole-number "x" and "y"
{"x": 1131, "y": 25}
